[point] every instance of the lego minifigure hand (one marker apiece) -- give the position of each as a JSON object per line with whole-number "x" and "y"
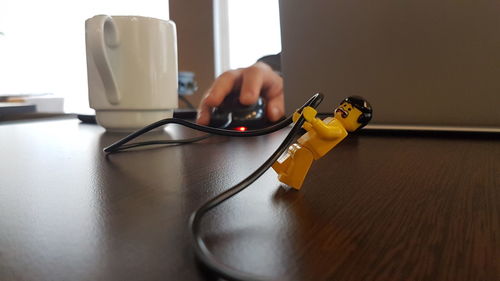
{"x": 307, "y": 126}
{"x": 309, "y": 114}
{"x": 295, "y": 116}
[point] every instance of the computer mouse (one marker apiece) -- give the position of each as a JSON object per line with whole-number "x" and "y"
{"x": 231, "y": 114}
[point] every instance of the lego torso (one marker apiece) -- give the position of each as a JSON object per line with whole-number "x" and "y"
{"x": 320, "y": 146}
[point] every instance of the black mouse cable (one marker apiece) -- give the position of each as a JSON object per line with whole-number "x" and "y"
{"x": 160, "y": 142}
{"x": 201, "y": 250}
{"x": 167, "y": 142}
{"x": 120, "y": 145}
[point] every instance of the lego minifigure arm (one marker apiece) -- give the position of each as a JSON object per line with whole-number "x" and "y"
{"x": 323, "y": 130}
{"x": 296, "y": 115}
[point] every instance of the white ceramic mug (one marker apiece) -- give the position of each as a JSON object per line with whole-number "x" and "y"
{"x": 132, "y": 70}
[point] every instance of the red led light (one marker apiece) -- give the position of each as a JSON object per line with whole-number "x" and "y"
{"x": 241, "y": 129}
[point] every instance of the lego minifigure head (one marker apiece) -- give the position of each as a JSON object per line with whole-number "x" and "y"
{"x": 354, "y": 113}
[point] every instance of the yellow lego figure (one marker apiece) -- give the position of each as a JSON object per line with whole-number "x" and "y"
{"x": 352, "y": 114}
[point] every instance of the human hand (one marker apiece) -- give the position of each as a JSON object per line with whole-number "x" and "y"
{"x": 258, "y": 79}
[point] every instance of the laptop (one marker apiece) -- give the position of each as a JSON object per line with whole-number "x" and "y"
{"x": 422, "y": 64}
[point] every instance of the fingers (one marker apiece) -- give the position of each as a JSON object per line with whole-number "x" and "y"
{"x": 204, "y": 111}
{"x": 261, "y": 79}
{"x": 275, "y": 97}
{"x": 275, "y": 108}
{"x": 221, "y": 87}
{"x": 252, "y": 83}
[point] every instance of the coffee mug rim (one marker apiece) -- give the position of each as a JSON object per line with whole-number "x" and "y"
{"x": 132, "y": 17}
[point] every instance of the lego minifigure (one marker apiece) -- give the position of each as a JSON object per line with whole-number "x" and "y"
{"x": 352, "y": 114}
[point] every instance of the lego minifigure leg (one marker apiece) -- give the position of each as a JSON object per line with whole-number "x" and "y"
{"x": 281, "y": 165}
{"x": 297, "y": 165}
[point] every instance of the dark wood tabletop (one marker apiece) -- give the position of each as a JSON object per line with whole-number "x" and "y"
{"x": 380, "y": 206}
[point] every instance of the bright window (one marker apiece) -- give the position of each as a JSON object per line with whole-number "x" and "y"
{"x": 246, "y": 30}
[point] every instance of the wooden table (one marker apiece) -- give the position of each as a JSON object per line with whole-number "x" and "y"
{"x": 378, "y": 207}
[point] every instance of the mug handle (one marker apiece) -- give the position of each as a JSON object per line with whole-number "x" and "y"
{"x": 104, "y": 34}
